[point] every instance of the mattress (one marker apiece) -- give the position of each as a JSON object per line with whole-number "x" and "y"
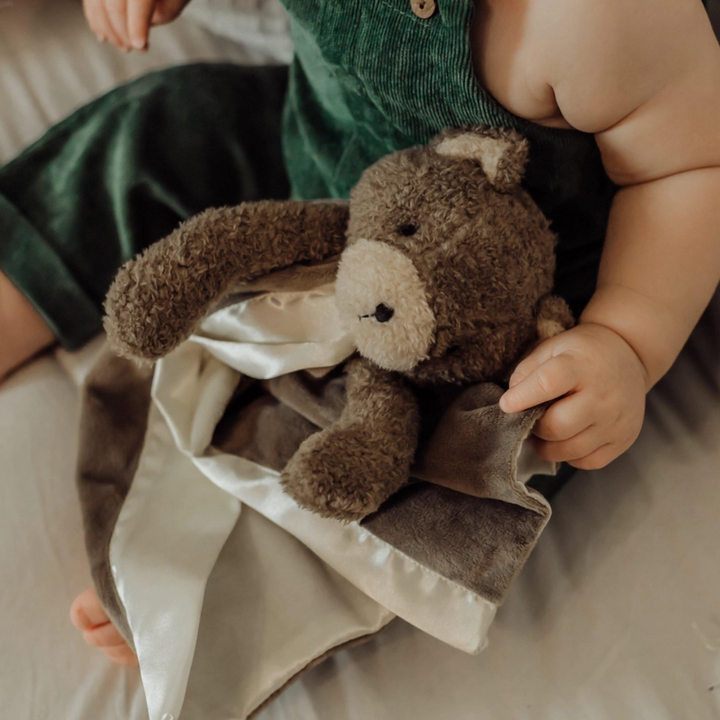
{"x": 616, "y": 616}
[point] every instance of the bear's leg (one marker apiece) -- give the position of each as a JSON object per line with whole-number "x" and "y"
{"x": 347, "y": 470}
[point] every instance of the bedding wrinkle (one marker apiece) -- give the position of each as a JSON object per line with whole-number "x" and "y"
{"x": 627, "y": 565}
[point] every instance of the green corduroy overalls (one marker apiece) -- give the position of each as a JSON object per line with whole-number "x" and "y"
{"x": 369, "y": 77}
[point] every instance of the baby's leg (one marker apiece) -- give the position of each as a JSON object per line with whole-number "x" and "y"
{"x": 88, "y": 615}
{"x": 124, "y": 171}
{"x": 117, "y": 175}
{"x": 23, "y": 331}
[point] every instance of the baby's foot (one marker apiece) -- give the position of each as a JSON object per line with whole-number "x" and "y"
{"x": 88, "y": 615}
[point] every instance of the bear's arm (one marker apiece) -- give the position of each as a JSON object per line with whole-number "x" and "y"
{"x": 553, "y": 317}
{"x": 157, "y": 299}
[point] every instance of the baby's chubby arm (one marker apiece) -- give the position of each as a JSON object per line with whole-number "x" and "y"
{"x": 644, "y": 77}
{"x": 127, "y": 23}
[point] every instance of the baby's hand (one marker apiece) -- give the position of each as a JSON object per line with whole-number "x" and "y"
{"x": 601, "y": 384}
{"x": 88, "y": 615}
{"x": 127, "y": 23}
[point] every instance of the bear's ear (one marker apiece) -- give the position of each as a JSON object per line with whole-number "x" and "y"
{"x": 502, "y": 152}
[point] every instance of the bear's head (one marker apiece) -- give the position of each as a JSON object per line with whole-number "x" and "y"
{"x": 448, "y": 258}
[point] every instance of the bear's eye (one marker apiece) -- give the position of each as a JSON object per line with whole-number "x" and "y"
{"x": 408, "y": 229}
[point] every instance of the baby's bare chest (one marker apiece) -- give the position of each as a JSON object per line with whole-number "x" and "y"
{"x": 508, "y": 65}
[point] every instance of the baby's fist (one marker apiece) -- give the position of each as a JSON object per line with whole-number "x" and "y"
{"x": 598, "y": 384}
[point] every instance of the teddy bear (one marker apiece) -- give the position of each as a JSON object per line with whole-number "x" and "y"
{"x": 445, "y": 278}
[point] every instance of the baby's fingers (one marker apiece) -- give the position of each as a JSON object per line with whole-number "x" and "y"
{"x": 532, "y": 362}
{"x": 584, "y": 452}
{"x": 601, "y": 457}
{"x": 138, "y": 22}
{"x": 117, "y": 16}
{"x": 582, "y": 445}
{"x": 551, "y": 379}
{"x": 99, "y": 23}
{"x": 567, "y": 418}
{"x": 167, "y": 10}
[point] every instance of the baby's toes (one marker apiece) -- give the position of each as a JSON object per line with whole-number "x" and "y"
{"x": 121, "y": 654}
{"x": 86, "y": 611}
{"x": 103, "y": 636}
{"x": 88, "y": 615}
{"x": 107, "y": 639}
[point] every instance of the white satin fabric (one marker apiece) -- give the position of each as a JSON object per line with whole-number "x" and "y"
{"x": 271, "y": 335}
{"x": 187, "y": 497}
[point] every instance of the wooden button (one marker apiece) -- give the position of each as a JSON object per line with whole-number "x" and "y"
{"x": 423, "y": 8}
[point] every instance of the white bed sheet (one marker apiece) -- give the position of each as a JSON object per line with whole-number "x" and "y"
{"x": 615, "y": 617}
{"x": 46, "y": 671}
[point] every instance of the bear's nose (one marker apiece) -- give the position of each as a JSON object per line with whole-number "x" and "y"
{"x": 383, "y": 313}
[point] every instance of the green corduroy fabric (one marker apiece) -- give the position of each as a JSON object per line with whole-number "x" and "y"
{"x": 124, "y": 170}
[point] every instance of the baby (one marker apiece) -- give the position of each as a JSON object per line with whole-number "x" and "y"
{"x": 127, "y": 23}
{"x": 643, "y": 77}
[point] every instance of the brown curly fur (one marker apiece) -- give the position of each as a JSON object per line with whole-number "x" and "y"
{"x": 348, "y": 469}
{"x": 158, "y": 298}
{"x": 485, "y": 257}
